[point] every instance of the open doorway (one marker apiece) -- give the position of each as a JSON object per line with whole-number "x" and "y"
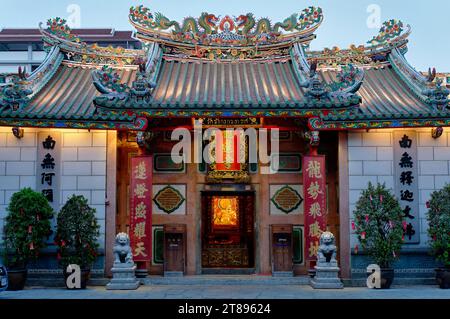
{"x": 228, "y": 234}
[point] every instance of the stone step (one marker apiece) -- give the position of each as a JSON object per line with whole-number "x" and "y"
{"x": 397, "y": 282}
{"x": 225, "y": 280}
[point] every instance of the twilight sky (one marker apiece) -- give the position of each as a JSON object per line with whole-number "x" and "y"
{"x": 346, "y": 21}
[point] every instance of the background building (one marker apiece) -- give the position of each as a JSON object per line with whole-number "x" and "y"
{"x": 24, "y": 47}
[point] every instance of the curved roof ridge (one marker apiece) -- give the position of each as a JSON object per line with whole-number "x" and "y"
{"x": 211, "y": 30}
{"x": 58, "y": 33}
{"x": 393, "y": 35}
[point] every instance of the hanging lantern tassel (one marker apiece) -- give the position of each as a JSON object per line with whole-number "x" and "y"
{"x": 367, "y": 218}
{"x": 353, "y": 225}
{"x": 356, "y": 249}
{"x": 31, "y": 246}
{"x": 363, "y": 235}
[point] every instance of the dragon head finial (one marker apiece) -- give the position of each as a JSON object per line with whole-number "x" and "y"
{"x": 212, "y": 19}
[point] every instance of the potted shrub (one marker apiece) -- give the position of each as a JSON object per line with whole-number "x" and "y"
{"x": 76, "y": 237}
{"x": 380, "y": 226}
{"x": 26, "y": 227}
{"x": 439, "y": 232}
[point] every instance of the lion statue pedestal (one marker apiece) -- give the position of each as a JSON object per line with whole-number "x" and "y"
{"x": 327, "y": 269}
{"x": 123, "y": 270}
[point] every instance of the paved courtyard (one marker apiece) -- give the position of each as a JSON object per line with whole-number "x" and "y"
{"x": 231, "y": 292}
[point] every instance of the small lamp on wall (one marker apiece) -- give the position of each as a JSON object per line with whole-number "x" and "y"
{"x": 437, "y": 132}
{"x": 18, "y": 132}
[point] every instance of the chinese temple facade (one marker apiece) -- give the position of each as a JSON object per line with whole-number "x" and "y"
{"x": 98, "y": 121}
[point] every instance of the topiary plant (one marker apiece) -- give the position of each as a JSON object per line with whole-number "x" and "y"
{"x": 27, "y": 225}
{"x": 439, "y": 224}
{"x": 77, "y": 233}
{"x": 379, "y": 224}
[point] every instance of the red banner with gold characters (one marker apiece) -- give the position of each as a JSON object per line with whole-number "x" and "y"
{"x": 141, "y": 208}
{"x": 315, "y": 193}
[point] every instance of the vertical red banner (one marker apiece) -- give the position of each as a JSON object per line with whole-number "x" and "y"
{"x": 141, "y": 208}
{"x": 315, "y": 194}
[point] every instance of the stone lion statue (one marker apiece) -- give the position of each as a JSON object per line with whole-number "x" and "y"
{"x": 122, "y": 249}
{"x": 327, "y": 249}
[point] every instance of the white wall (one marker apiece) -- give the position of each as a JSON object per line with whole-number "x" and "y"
{"x": 371, "y": 158}
{"x": 82, "y": 168}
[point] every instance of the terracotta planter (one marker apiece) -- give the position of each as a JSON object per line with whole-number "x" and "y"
{"x": 17, "y": 279}
{"x": 85, "y": 276}
{"x": 443, "y": 277}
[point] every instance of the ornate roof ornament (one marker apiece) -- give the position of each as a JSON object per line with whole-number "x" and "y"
{"x": 108, "y": 81}
{"x": 389, "y": 30}
{"x": 316, "y": 89}
{"x": 58, "y": 33}
{"x": 58, "y": 27}
{"x": 392, "y": 35}
{"x": 210, "y": 32}
{"x": 438, "y": 95}
{"x": 342, "y": 91}
{"x": 348, "y": 79}
{"x": 141, "y": 91}
{"x": 15, "y": 94}
{"x": 139, "y": 95}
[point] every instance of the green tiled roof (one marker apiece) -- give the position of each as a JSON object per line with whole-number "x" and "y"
{"x": 67, "y": 101}
{"x": 186, "y": 87}
{"x": 227, "y": 86}
{"x": 384, "y": 95}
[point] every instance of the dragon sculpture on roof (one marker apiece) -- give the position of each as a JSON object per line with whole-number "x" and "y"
{"x": 209, "y": 29}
